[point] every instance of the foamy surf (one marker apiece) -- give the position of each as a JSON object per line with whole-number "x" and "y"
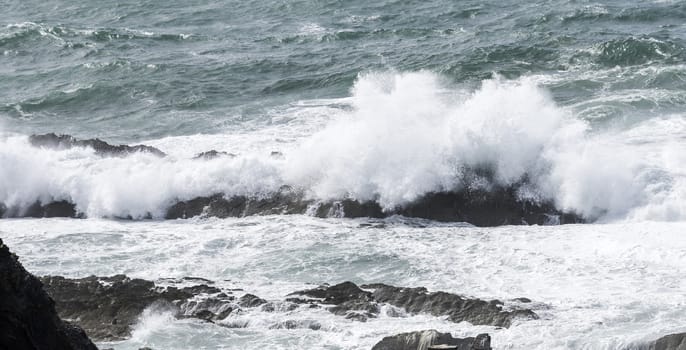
{"x": 610, "y": 286}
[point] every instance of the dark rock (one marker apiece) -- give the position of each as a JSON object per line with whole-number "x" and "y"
{"x": 250, "y": 300}
{"x": 481, "y": 208}
{"x": 212, "y": 154}
{"x": 355, "y": 303}
{"x": 350, "y": 209}
{"x": 40, "y": 210}
{"x": 348, "y": 300}
{"x": 492, "y": 207}
{"x": 107, "y": 307}
{"x": 205, "y": 315}
{"x": 422, "y": 340}
{"x": 336, "y": 294}
{"x": 201, "y": 289}
{"x": 101, "y": 148}
{"x": 457, "y": 308}
{"x": 669, "y": 342}
{"x": 28, "y": 319}
{"x": 284, "y": 202}
{"x": 208, "y": 308}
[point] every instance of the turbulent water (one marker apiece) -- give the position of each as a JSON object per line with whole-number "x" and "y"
{"x": 374, "y": 101}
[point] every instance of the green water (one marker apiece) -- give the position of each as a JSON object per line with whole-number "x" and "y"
{"x": 144, "y": 69}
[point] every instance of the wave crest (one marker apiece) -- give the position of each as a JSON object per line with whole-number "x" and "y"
{"x": 405, "y": 137}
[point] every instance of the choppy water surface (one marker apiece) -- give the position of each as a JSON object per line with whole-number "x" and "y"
{"x": 382, "y": 101}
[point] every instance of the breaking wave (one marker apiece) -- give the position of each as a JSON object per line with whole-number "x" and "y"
{"x": 404, "y": 135}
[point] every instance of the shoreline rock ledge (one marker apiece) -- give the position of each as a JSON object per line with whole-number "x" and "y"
{"x": 432, "y": 339}
{"x": 28, "y": 320}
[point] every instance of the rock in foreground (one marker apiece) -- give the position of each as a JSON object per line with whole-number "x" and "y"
{"x": 107, "y": 307}
{"x": 426, "y": 340}
{"x": 28, "y": 319}
{"x": 669, "y": 342}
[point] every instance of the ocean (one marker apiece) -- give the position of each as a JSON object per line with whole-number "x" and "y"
{"x": 575, "y": 103}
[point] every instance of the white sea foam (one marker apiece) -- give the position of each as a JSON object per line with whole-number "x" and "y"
{"x": 594, "y": 286}
{"x": 399, "y": 136}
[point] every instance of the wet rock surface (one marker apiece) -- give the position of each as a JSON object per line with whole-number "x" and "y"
{"x": 478, "y": 208}
{"x": 487, "y": 210}
{"x": 432, "y": 339}
{"x": 675, "y": 341}
{"x": 107, "y": 307}
{"x": 285, "y": 202}
{"x": 40, "y": 210}
{"x": 362, "y": 303}
{"x": 28, "y": 319}
{"x": 101, "y": 147}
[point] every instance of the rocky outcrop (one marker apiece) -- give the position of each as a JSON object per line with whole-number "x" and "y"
{"x": 40, "y": 210}
{"x": 669, "y": 342}
{"x": 346, "y": 299}
{"x": 284, "y": 202}
{"x": 457, "y": 308}
{"x": 101, "y": 148}
{"x": 480, "y": 208}
{"x": 107, "y": 307}
{"x": 351, "y": 301}
{"x": 483, "y": 210}
{"x": 28, "y": 320}
{"x": 432, "y": 339}
{"x": 484, "y": 204}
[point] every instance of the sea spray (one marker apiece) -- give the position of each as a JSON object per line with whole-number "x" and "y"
{"x": 404, "y": 135}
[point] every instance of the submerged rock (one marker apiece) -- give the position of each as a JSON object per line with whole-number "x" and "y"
{"x": 432, "y": 339}
{"x": 356, "y": 303}
{"x": 101, "y": 148}
{"x": 28, "y": 319}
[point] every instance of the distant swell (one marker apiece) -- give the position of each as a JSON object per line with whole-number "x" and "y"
{"x": 406, "y": 144}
